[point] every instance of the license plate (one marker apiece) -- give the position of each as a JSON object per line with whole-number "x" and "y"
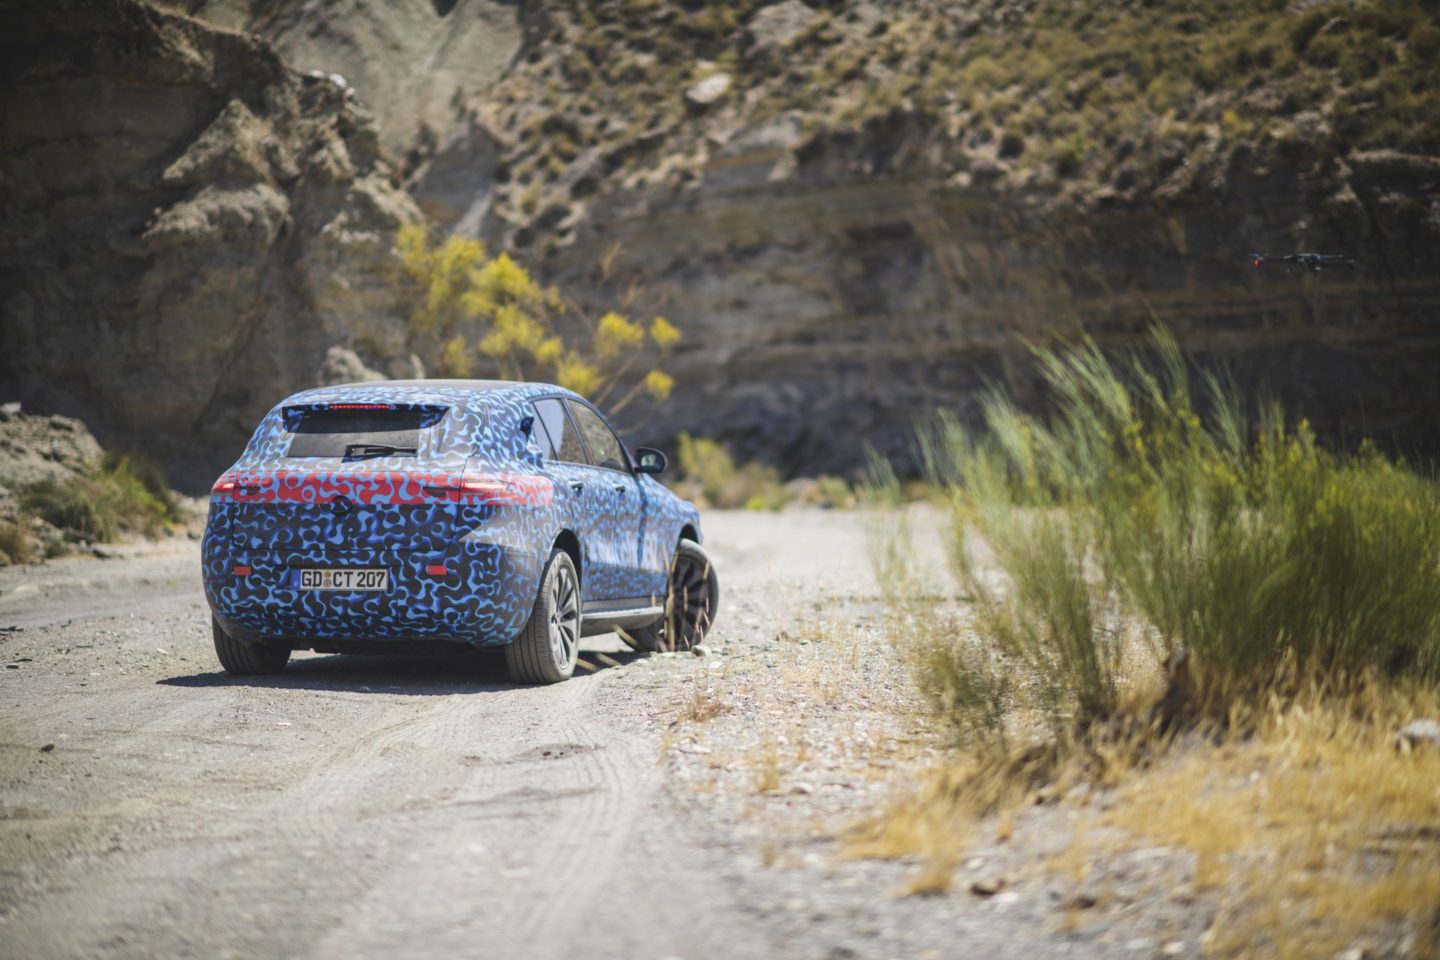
{"x": 340, "y": 579}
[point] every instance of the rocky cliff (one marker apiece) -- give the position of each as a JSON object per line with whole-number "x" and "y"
{"x": 858, "y": 212}
{"x": 191, "y": 228}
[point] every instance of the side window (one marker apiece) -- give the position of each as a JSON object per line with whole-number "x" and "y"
{"x": 558, "y": 437}
{"x": 605, "y": 449}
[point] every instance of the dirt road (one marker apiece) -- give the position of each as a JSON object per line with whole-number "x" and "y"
{"x": 356, "y": 806}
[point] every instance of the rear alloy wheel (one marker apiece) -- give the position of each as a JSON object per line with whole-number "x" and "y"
{"x": 546, "y": 650}
{"x": 248, "y": 659}
{"x": 689, "y": 608}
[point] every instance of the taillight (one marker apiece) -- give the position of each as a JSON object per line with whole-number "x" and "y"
{"x": 224, "y": 487}
{"x": 241, "y": 570}
{"x": 437, "y": 570}
{"x": 518, "y": 490}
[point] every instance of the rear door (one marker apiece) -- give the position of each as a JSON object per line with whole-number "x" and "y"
{"x": 614, "y": 495}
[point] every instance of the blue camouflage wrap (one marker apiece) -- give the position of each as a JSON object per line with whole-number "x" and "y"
{"x": 410, "y": 514}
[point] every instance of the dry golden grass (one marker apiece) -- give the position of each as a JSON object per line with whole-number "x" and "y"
{"x": 705, "y": 703}
{"x": 1316, "y": 833}
{"x": 767, "y": 773}
{"x": 1310, "y": 830}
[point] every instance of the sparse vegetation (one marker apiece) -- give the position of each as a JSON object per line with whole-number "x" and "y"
{"x": 1130, "y": 529}
{"x": 488, "y": 313}
{"x": 708, "y": 474}
{"x": 1125, "y": 92}
{"x": 1141, "y": 566}
{"x": 16, "y": 544}
{"x": 123, "y": 494}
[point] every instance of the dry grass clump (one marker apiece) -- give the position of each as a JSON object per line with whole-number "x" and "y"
{"x": 16, "y": 544}
{"x": 1316, "y": 833}
{"x": 704, "y": 704}
{"x": 710, "y": 475}
{"x": 1125, "y": 532}
{"x": 125, "y": 493}
{"x": 1140, "y": 570}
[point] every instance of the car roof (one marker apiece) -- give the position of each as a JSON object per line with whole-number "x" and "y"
{"x": 468, "y": 393}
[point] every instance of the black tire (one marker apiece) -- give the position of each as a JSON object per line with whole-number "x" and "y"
{"x": 690, "y": 605}
{"x": 248, "y": 659}
{"x": 548, "y": 646}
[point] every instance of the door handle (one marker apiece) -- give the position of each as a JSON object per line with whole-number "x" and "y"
{"x": 576, "y": 486}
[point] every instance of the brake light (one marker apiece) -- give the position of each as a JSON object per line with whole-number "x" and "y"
{"x": 224, "y": 487}
{"x": 496, "y": 491}
{"x": 437, "y": 570}
{"x": 360, "y": 406}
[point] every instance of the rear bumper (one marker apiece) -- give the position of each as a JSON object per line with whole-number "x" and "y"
{"x": 484, "y": 600}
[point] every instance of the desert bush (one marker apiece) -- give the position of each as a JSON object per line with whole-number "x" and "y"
{"x": 491, "y": 311}
{"x": 123, "y": 494}
{"x": 708, "y": 473}
{"x": 1131, "y": 524}
{"x": 16, "y": 544}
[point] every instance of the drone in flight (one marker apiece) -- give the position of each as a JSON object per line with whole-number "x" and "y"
{"x": 1313, "y": 262}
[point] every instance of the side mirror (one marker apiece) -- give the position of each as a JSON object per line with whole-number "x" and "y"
{"x": 649, "y": 460}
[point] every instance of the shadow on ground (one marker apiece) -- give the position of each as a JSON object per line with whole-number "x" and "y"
{"x": 434, "y": 675}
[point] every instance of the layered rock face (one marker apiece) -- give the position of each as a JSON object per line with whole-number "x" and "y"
{"x": 828, "y": 308}
{"x": 190, "y": 227}
{"x": 421, "y": 66}
{"x": 856, "y": 213}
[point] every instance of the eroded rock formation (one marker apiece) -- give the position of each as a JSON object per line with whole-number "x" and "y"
{"x": 189, "y": 227}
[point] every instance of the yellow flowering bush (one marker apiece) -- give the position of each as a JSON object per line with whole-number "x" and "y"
{"x": 489, "y": 314}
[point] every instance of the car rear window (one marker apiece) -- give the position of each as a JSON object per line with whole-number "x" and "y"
{"x": 332, "y": 432}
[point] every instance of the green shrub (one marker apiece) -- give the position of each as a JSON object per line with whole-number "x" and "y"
{"x": 707, "y": 471}
{"x": 1124, "y": 528}
{"x": 124, "y": 494}
{"x": 16, "y": 544}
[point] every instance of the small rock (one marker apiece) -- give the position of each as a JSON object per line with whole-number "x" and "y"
{"x": 1083, "y": 900}
{"x": 47, "y": 748}
{"x": 700, "y": 650}
{"x": 1354, "y": 953}
{"x": 803, "y": 788}
{"x": 708, "y": 91}
{"x": 1006, "y": 898}
{"x": 987, "y": 886}
{"x": 1417, "y": 732}
{"x": 1174, "y": 948}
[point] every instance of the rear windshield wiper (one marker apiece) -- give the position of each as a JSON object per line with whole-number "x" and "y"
{"x": 358, "y": 450}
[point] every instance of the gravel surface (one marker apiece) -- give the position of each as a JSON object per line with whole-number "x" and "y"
{"x": 664, "y": 806}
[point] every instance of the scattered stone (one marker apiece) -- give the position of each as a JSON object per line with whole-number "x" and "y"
{"x": 700, "y": 650}
{"x": 708, "y": 91}
{"x": 987, "y": 886}
{"x": 1083, "y": 900}
{"x": 803, "y": 788}
{"x": 777, "y": 25}
{"x": 47, "y": 748}
{"x": 1174, "y": 948}
{"x": 1416, "y": 733}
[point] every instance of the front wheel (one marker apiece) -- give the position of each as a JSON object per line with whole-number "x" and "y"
{"x": 248, "y": 659}
{"x": 689, "y": 607}
{"x": 546, "y": 650}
